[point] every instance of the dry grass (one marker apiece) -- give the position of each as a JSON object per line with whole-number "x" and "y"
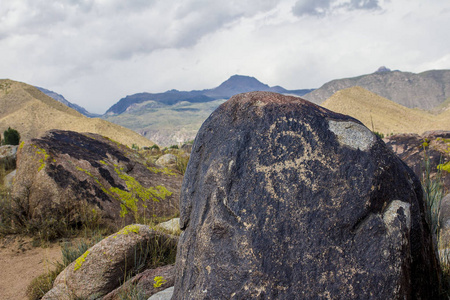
{"x": 32, "y": 113}
{"x": 385, "y": 116}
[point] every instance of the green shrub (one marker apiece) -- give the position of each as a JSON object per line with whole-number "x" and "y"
{"x": 11, "y": 137}
{"x": 174, "y": 147}
{"x": 379, "y": 134}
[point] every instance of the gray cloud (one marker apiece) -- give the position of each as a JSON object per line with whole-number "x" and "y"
{"x": 94, "y": 51}
{"x": 322, "y": 7}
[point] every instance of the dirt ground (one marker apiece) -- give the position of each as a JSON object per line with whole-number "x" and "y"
{"x": 20, "y": 262}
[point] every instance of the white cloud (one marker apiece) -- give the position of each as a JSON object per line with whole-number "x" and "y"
{"x": 95, "y": 52}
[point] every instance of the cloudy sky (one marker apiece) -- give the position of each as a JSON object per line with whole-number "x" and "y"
{"x": 95, "y": 52}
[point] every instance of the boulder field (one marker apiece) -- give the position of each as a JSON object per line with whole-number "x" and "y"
{"x": 283, "y": 199}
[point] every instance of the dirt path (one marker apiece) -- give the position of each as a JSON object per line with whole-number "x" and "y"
{"x": 20, "y": 263}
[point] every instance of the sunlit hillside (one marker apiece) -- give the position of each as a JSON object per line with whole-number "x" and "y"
{"x": 385, "y": 116}
{"x": 31, "y": 112}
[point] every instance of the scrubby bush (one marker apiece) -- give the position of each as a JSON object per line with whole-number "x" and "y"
{"x": 433, "y": 189}
{"x": 11, "y": 137}
{"x": 379, "y": 134}
{"x": 65, "y": 219}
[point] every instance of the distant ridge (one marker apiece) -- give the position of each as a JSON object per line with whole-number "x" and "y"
{"x": 31, "y": 112}
{"x": 383, "y": 115}
{"x": 234, "y": 85}
{"x": 425, "y": 90}
{"x": 60, "y": 98}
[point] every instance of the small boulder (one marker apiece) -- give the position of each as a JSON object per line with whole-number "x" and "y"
{"x": 103, "y": 267}
{"x": 186, "y": 148}
{"x": 172, "y": 226}
{"x": 167, "y": 160}
{"x": 283, "y": 199}
{"x": 8, "y": 156}
{"x": 9, "y": 179}
{"x": 146, "y": 283}
{"x": 163, "y": 295}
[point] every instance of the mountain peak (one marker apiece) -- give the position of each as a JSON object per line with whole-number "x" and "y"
{"x": 382, "y": 69}
{"x": 242, "y": 80}
{"x": 240, "y": 84}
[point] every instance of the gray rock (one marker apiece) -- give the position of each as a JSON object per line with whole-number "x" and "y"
{"x": 9, "y": 179}
{"x": 172, "y": 225}
{"x": 145, "y": 283}
{"x": 102, "y": 267}
{"x": 8, "y": 156}
{"x": 283, "y": 199}
{"x": 167, "y": 160}
{"x": 163, "y": 295}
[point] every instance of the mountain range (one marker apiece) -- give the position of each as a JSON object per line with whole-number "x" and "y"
{"x": 236, "y": 84}
{"x": 425, "y": 90}
{"x": 175, "y": 116}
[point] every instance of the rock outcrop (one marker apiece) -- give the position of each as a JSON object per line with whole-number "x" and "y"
{"x": 104, "y": 266}
{"x": 412, "y": 148}
{"x": 65, "y": 168}
{"x": 283, "y": 199}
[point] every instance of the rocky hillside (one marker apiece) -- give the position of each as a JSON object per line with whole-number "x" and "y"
{"x": 424, "y": 90}
{"x": 383, "y": 115}
{"x": 31, "y": 112}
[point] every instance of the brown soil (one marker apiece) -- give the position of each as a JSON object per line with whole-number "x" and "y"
{"x": 20, "y": 262}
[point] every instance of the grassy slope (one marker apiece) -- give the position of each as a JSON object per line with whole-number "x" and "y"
{"x": 32, "y": 113}
{"x": 387, "y": 116}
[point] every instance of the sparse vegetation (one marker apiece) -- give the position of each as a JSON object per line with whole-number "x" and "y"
{"x": 70, "y": 252}
{"x": 433, "y": 188}
{"x": 379, "y": 134}
{"x": 5, "y": 86}
{"x": 66, "y": 219}
{"x": 11, "y": 137}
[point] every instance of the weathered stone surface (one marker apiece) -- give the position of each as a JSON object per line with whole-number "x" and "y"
{"x": 163, "y": 295}
{"x": 186, "y": 148}
{"x": 280, "y": 201}
{"x": 102, "y": 268}
{"x": 9, "y": 179}
{"x": 145, "y": 283}
{"x": 172, "y": 225}
{"x": 8, "y": 155}
{"x": 166, "y": 160}
{"x": 64, "y": 168}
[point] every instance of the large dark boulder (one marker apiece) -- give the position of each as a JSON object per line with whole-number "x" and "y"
{"x": 283, "y": 199}
{"x": 63, "y": 171}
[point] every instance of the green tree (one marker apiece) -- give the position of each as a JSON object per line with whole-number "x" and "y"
{"x": 11, "y": 137}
